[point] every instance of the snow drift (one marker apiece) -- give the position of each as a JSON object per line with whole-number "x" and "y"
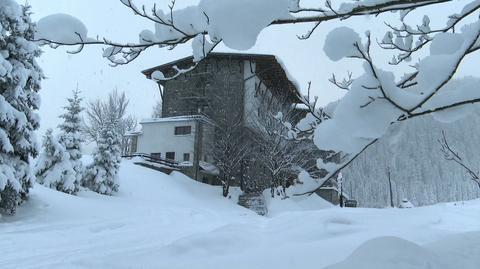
{"x": 160, "y": 221}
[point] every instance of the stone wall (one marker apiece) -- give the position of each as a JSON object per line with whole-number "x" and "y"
{"x": 255, "y": 202}
{"x": 214, "y": 88}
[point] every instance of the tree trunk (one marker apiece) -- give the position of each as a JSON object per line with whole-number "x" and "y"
{"x": 226, "y": 186}
{"x": 390, "y": 187}
{"x": 341, "y": 194}
{"x": 272, "y": 186}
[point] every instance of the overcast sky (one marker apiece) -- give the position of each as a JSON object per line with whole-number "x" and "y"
{"x": 304, "y": 60}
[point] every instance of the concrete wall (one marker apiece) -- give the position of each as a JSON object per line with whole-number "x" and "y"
{"x": 159, "y": 137}
{"x": 208, "y": 136}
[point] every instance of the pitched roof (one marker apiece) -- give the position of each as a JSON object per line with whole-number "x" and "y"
{"x": 268, "y": 68}
{"x": 189, "y": 60}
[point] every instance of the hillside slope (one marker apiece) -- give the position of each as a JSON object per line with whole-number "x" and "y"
{"x": 418, "y": 170}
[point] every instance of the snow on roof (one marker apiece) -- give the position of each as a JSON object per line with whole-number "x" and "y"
{"x": 176, "y": 119}
{"x": 133, "y": 133}
{"x": 300, "y": 106}
{"x": 209, "y": 168}
{"x": 189, "y": 59}
{"x": 289, "y": 76}
{"x": 185, "y": 164}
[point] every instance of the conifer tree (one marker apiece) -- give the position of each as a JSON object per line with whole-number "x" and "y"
{"x": 102, "y": 174}
{"x": 71, "y": 132}
{"x": 54, "y": 168}
{"x": 20, "y": 78}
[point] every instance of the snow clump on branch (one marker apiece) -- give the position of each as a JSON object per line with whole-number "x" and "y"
{"x": 374, "y": 101}
{"x": 211, "y": 18}
{"x": 340, "y": 43}
{"x": 61, "y": 28}
{"x": 239, "y": 29}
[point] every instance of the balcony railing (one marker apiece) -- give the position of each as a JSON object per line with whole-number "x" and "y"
{"x": 149, "y": 158}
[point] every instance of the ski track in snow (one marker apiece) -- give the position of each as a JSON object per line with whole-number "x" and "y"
{"x": 160, "y": 221}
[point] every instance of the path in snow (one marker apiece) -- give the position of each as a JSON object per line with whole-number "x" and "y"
{"x": 160, "y": 221}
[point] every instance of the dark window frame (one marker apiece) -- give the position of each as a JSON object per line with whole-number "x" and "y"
{"x": 170, "y": 154}
{"x": 156, "y": 155}
{"x": 183, "y": 130}
{"x": 186, "y": 157}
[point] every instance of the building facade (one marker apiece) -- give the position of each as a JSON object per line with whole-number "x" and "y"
{"x": 223, "y": 90}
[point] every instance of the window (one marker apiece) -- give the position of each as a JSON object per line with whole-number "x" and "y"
{"x": 183, "y": 130}
{"x": 186, "y": 157}
{"x": 156, "y": 155}
{"x": 170, "y": 156}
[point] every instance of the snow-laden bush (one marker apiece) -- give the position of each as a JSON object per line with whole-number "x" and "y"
{"x": 101, "y": 175}
{"x": 71, "y": 133}
{"x": 20, "y": 78}
{"x": 54, "y": 168}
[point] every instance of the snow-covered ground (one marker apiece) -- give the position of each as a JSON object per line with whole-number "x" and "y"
{"x": 160, "y": 221}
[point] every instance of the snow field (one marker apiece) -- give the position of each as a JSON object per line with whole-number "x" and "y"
{"x": 160, "y": 221}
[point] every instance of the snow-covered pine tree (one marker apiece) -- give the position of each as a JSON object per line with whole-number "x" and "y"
{"x": 20, "y": 78}
{"x": 71, "y": 133}
{"x": 54, "y": 168}
{"x": 101, "y": 175}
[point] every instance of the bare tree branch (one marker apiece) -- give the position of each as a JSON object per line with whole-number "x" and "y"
{"x": 451, "y": 155}
{"x": 130, "y": 51}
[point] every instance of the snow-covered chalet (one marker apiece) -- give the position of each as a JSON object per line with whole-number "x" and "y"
{"x": 223, "y": 87}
